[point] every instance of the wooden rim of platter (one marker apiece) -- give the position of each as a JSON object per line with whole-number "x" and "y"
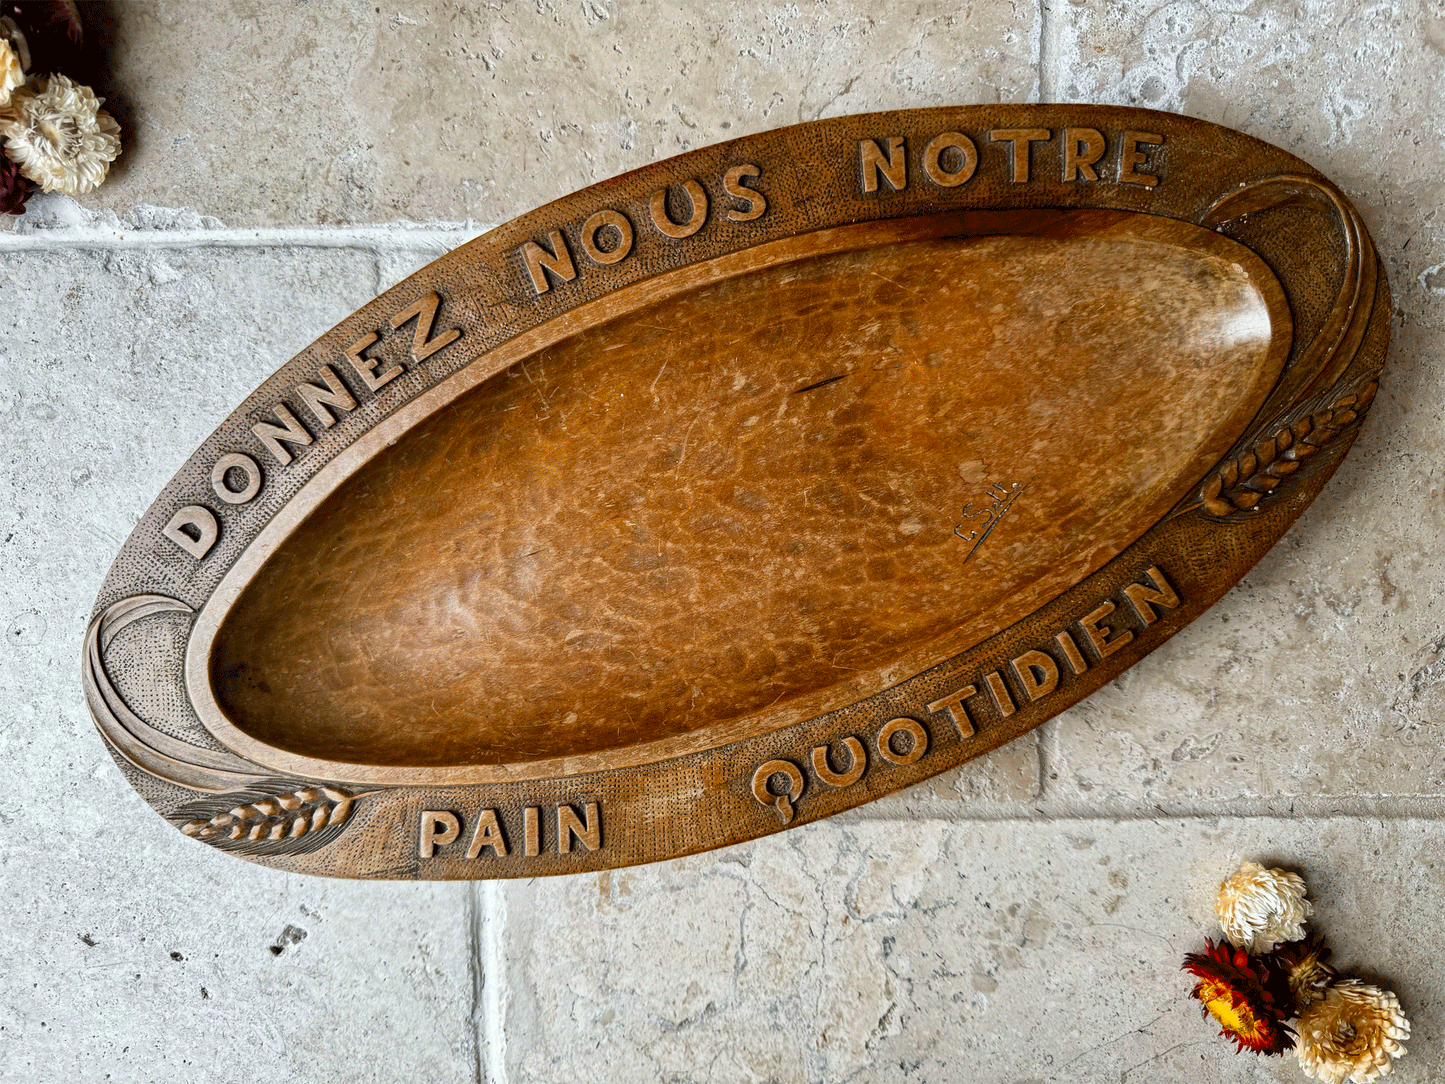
{"x": 737, "y": 491}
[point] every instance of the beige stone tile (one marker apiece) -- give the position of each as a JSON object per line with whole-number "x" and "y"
{"x": 1006, "y": 775}
{"x": 280, "y": 114}
{"x": 904, "y": 951}
{"x": 132, "y": 954}
{"x": 1319, "y": 675}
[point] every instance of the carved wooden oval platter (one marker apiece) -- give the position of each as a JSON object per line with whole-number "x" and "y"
{"x": 738, "y": 491}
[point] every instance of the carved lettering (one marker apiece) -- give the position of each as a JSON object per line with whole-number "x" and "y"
{"x": 1098, "y": 635}
{"x": 893, "y": 167}
{"x": 194, "y": 529}
{"x": 543, "y": 261}
{"x": 957, "y": 713}
{"x": 317, "y": 399}
{"x": 734, "y": 187}
{"x": 235, "y": 461}
{"x": 933, "y": 159}
{"x": 1144, "y": 599}
{"x": 488, "y": 833}
{"x": 917, "y": 746}
{"x": 366, "y": 367}
{"x": 793, "y": 786}
{"x": 1082, "y": 148}
{"x": 532, "y": 831}
{"x": 438, "y": 828}
{"x": 1071, "y": 652}
{"x": 999, "y": 691}
{"x": 1021, "y": 138}
{"x": 1037, "y": 672}
{"x": 424, "y": 312}
{"x": 586, "y": 829}
{"x": 290, "y": 430}
{"x": 1130, "y": 157}
{"x": 857, "y": 763}
{"x": 607, "y": 220}
{"x": 665, "y": 225}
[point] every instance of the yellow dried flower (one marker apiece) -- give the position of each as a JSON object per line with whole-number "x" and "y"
{"x": 11, "y": 73}
{"x": 58, "y": 135}
{"x": 1353, "y": 1032}
{"x": 1258, "y": 907}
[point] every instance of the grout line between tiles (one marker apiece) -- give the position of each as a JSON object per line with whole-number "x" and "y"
{"x": 475, "y": 971}
{"x": 1353, "y": 807}
{"x": 397, "y": 236}
{"x": 492, "y": 1037}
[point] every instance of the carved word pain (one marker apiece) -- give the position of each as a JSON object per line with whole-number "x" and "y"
{"x": 1029, "y": 678}
{"x": 951, "y": 159}
{"x": 487, "y": 837}
{"x": 237, "y": 479}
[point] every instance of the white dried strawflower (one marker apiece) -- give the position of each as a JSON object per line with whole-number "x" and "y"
{"x": 58, "y": 135}
{"x": 1353, "y": 1032}
{"x": 1258, "y": 907}
{"x": 11, "y": 73}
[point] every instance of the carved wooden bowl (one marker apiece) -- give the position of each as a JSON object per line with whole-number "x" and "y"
{"x": 738, "y": 491}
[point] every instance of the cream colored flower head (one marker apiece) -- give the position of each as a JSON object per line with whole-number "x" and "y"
{"x": 58, "y": 135}
{"x": 1259, "y": 907}
{"x": 1354, "y": 1032}
{"x": 11, "y": 74}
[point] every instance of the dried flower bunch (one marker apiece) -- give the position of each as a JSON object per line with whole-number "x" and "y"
{"x": 1342, "y": 1029}
{"x": 56, "y": 136}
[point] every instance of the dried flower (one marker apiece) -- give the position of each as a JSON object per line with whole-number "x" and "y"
{"x": 1236, "y": 991}
{"x": 51, "y": 30}
{"x": 1258, "y": 907}
{"x": 1352, "y": 1032}
{"x": 59, "y": 136}
{"x": 14, "y": 37}
{"x": 1305, "y": 970}
{"x": 14, "y": 189}
{"x": 11, "y": 73}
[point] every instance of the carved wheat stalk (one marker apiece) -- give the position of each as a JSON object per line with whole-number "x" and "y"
{"x": 1241, "y": 483}
{"x": 277, "y": 817}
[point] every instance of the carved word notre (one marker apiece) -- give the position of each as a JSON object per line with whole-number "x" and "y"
{"x": 237, "y": 479}
{"x": 607, "y": 236}
{"x": 951, "y": 159}
{"x": 488, "y": 837}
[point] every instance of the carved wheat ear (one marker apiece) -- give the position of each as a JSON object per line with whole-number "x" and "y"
{"x": 1242, "y": 482}
{"x": 291, "y": 822}
{"x": 1239, "y": 484}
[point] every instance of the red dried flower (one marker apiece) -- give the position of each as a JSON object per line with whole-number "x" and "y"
{"x": 14, "y": 189}
{"x": 1239, "y": 992}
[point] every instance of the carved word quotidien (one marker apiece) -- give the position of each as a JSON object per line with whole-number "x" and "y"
{"x": 565, "y": 828}
{"x": 1029, "y": 677}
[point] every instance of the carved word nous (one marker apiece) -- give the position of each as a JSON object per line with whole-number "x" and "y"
{"x": 606, "y": 237}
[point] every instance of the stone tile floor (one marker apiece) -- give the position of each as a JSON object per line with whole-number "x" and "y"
{"x": 1019, "y": 920}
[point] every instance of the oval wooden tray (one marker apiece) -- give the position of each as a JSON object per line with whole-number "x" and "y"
{"x": 738, "y": 491}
